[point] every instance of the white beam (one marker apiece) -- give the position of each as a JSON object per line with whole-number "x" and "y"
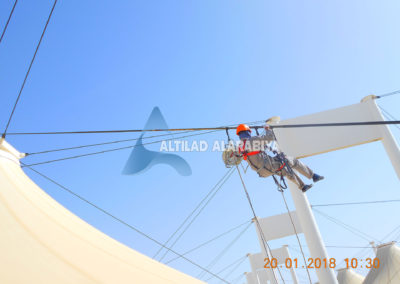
{"x": 266, "y": 252}
{"x": 281, "y": 221}
{"x": 257, "y": 262}
{"x": 251, "y": 278}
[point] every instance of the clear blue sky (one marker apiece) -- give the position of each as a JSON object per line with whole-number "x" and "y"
{"x": 106, "y": 64}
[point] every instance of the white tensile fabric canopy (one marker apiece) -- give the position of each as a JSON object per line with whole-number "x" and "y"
{"x": 389, "y": 266}
{"x": 42, "y": 242}
{"x": 348, "y": 276}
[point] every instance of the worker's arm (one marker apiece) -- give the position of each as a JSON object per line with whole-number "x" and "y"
{"x": 268, "y": 136}
{"x": 258, "y": 143}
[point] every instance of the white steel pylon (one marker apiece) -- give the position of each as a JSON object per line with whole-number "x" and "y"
{"x": 305, "y": 142}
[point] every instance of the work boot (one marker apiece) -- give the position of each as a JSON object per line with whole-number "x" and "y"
{"x": 316, "y": 177}
{"x": 306, "y": 187}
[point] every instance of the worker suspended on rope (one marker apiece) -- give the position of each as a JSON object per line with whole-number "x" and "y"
{"x": 252, "y": 149}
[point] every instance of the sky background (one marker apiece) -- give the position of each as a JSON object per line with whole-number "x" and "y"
{"x": 106, "y": 64}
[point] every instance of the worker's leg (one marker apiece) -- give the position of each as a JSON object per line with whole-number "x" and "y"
{"x": 293, "y": 177}
{"x": 303, "y": 169}
{"x": 300, "y": 167}
{"x": 290, "y": 174}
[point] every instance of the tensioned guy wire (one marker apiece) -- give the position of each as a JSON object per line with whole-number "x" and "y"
{"x": 229, "y": 266}
{"x": 111, "y": 142}
{"x": 8, "y": 20}
{"x": 234, "y": 268}
{"x": 199, "y": 212}
{"x": 113, "y": 150}
{"x": 119, "y": 141}
{"x": 389, "y": 116}
{"x": 124, "y": 223}
{"x": 29, "y": 70}
{"x": 388, "y": 94}
{"x": 356, "y": 203}
{"x": 351, "y": 229}
{"x": 305, "y": 125}
{"x": 100, "y": 144}
{"x": 199, "y": 208}
{"x": 209, "y": 241}
{"x": 225, "y": 250}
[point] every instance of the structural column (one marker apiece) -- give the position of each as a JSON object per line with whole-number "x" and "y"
{"x": 275, "y": 277}
{"x": 311, "y": 232}
{"x": 388, "y": 141}
{"x": 309, "y": 227}
{"x": 292, "y": 271}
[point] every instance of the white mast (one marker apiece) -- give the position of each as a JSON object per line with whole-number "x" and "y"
{"x": 388, "y": 141}
{"x": 305, "y": 142}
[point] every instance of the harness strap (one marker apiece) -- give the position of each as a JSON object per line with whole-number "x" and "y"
{"x": 281, "y": 167}
{"x": 245, "y": 153}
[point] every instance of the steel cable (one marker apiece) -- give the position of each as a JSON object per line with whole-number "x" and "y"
{"x": 264, "y": 241}
{"x": 304, "y": 125}
{"x": 29, "y": 70}
{"x": 207, "y": 242}
{"x": 193, "y": 211}
{"x": 389, "y": 94}
{"x": 124, "y": 223}
{"x": 198, "y": 213}
{"x": 113, "y": 150}
{"x": 100, "y": 144}
{"x": 224, "y": 251}
{"x": 8, "y": 20}
{"x": 351, "y": 229}
{"x": 356, "y": 203}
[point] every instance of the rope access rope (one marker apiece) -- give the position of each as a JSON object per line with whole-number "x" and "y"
{"x": 281, "y": 190}
{"x": 263, "y": 239}
{"x": 297, "y": 237}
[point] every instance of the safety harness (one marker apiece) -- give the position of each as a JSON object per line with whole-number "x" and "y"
{"x": 245, "y": 154}
{"x": 281, "y": 184}
{"x": 279, "y": 156}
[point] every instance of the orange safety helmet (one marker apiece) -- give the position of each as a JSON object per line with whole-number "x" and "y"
{"x": 242, "y": 127}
